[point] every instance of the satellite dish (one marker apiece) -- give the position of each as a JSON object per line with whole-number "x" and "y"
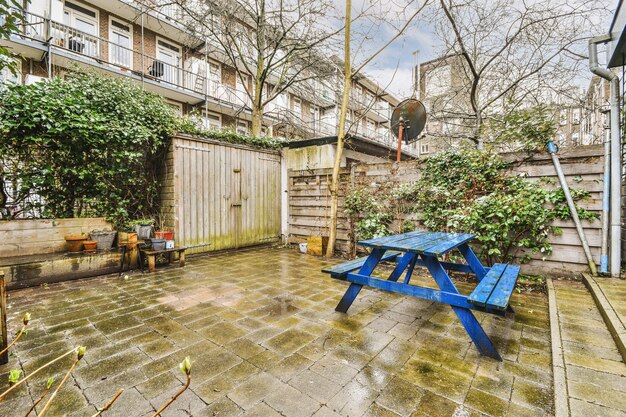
{"x": 413, "y": 113}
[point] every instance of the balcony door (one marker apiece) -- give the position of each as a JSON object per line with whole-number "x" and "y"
{"x": 121, "y": 44}
{"x": 81, "y": 32}
{"x": 169, "y": 57}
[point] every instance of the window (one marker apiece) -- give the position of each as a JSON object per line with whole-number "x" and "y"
{"x": 84, "y": 38}
{"x": 438, "y": 80}
{"x": 178, "y": 107}
{"x": 213, "y": 121}
{"x": 563, "y": 117}
{"x": 297, "y": 106}
{"x": 575, "y": 139}
{"x": 215, "y": 72}
{"x": 371, "y": 126}
{"x": 7, "y": 77}
{"x": 424, "y": 148}
{"x": 281, "y": 100}
{"x": 121, "y": 44}
{"x": 242, "y": 82}
{"x": 576, "y": 116}
{"x": 167, "y": 65}
{"x": 242, "y": 127}
{"x": 315, "y": 117}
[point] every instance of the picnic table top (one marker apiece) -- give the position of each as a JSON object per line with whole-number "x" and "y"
{"x": 420, "y": 241}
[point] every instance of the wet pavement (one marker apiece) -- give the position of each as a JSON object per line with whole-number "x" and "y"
{"x": 264, "y": 339}
{"x": 615, "y": 292}
{"x": 596, "y": 375}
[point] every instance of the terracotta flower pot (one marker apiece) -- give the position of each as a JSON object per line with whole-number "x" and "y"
{"x": 90, "y": 246}
{"x": 164, "y": 234}
{"x": 75, "y": 242}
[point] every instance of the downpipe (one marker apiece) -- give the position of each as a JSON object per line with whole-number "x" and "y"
{"x": 606, "y": 189}
{"x": 615, "y": 193}
{"x": 552, "y": 149}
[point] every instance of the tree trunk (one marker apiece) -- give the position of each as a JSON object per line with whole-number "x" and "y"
{"x": 341, "y": 133}
{"x": 257, "y": 94}
{"x": 257, "y": 118}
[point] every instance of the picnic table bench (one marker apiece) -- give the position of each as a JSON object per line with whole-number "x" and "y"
{"x": 422, "y": 248}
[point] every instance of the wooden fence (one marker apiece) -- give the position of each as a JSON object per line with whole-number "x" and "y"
{"x": 217, "y": 195}
{"x": 36, "y": 237}
{"x": 309, "y": 201}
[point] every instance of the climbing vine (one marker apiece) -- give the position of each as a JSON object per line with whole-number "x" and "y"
{"x": 88, "y": 145}
{"x": 469, "y": 191}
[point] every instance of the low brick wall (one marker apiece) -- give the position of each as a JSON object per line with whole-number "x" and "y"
{"x": 35, "y": 237}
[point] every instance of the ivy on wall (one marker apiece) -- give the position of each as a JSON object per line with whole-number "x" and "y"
{"x": 88, "y": 145}
{"x": 468, "y": 191}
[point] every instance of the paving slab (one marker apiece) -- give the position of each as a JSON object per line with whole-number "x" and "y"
{"x": 590, "y": 376}
{"x": 264, "y": 340}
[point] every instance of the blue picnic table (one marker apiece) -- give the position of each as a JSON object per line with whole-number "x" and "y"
{"x": 423, "y": 248}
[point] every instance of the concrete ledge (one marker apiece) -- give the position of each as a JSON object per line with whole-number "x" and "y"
{"x": 561, "y": 396}
{"x": 29, "y": 271}
{"x": 613, "y": 323}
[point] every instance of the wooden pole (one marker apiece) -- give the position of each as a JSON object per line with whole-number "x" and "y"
{"x": 3, "y": 318}
{"x": 400, "y": 131}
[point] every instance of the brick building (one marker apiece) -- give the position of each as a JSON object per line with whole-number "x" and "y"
{"x": 151, "y": 46}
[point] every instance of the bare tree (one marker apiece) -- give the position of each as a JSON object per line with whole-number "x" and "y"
{"x": 510, "y": 54}
{"x": 349, "y": 73}
{"x": 278, "y": 43}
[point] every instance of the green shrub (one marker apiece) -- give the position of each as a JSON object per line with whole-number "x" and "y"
{"x": 468, "y": 191}
{"x": 473, "y": 192}
{"x": 368, "y": 214}
{"x": 86, "y": 145}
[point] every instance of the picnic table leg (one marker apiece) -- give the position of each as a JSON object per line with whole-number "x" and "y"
{"x": 353, "y": 290}
{"x": 401, "y": 266}
{"x": 472, "y": 260}
{"x": 181, "y": 258}
{"x": 467, "y": 319}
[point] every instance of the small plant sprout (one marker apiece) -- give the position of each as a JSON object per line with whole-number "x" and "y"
{"x": 14, "y": 376}
{"x": 25, "y": 321}
{"x": 45, "y": 392}
{"x": 185, "y": 367}
{"x": 35, "y": 372}
{"x": 80, "y": 352}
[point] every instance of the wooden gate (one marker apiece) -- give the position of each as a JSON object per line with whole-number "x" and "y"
{"x": 224, "y": 196}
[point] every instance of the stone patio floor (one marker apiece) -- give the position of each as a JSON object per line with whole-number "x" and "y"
{"x": 615, "y": 292}
{"x": 596, "y": 375}
{"x": 264, "y": 339}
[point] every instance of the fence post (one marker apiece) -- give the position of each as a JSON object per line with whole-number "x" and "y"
{"x": 3, "y": 319}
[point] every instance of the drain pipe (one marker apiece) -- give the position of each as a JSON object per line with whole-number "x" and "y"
{"x": 552, "y": 149}
{"x": 606, "y": 189}
{"x": 616, "y": 163}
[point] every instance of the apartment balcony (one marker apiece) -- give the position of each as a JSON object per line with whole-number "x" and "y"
{"x": 70, "y": 46}
{"x": 378, "y": 110}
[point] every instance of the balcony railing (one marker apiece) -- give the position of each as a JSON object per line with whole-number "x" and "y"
{"x": 380, "y": 107}
{"x": 126, "y": 59}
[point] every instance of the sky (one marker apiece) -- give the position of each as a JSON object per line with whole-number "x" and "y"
{"x": 393, "y": 68}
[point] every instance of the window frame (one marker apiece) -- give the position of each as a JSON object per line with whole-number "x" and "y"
{"x": 207, "y": 122}
{"x": 113, "y": 29}
{"x": 179, "y": 55}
